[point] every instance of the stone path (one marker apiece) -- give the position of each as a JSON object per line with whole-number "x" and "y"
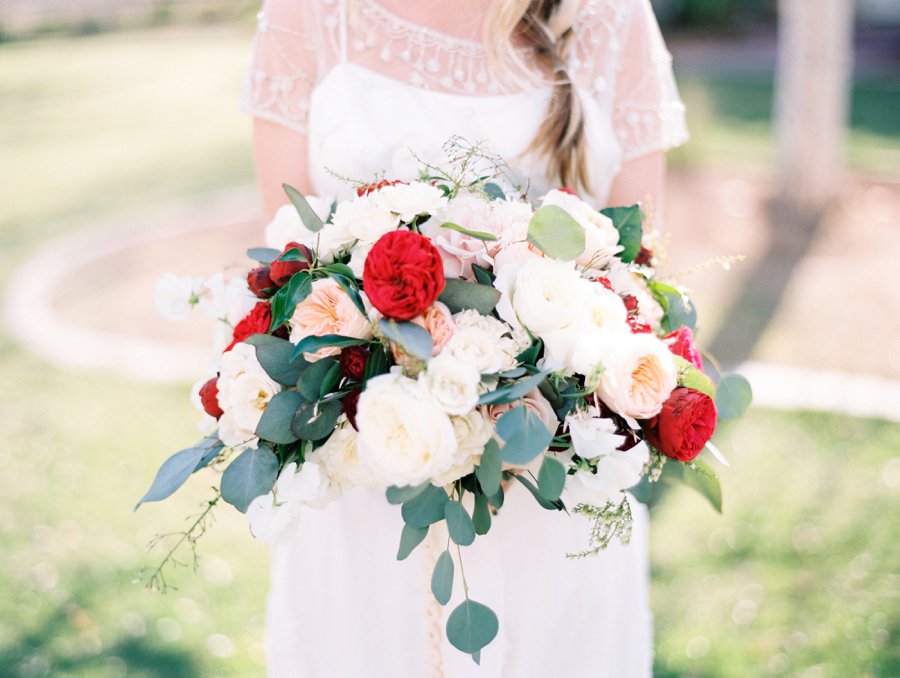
{"x": 86, "y": 301}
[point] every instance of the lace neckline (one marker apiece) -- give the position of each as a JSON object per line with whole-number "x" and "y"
{"x": 375, "y": 11}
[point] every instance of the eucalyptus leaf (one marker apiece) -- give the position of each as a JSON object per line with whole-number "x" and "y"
{"x": 459, "y": 524}
{"x": 412, "y": 338}
{"x": 525, "y": 435}
{"x": 490, "y": 468}
{"x": 310, "y": 382}
{"x": 478, "y": 235}
{"x": 425, "y": 508}
{"x": 697, "y": 475}
{"x": 309, "y": 217}
{"x": 498, "y": 498}
{"x": 249, "y": 476}
{"x": 680, "y": 312}
{"x": 628, "y": 222}
{"x": 213, "y": 446}
{"x": 733, "y": 396}
{"x": 277, "y": 359}
{"x": 410, "y": 538}
{"x": 460, "y": 295}
{"x": 690, "y": 377}
{"x": 494, "y": 192}
{"x": 556, "y": 233}
{"x": 173, "y": 473}
{"x": 348, "y": 284}
{"x": 264, "y": 255}
{"x": 482, "y": 275}
{"x": 481, "y": 516}
{"x": 530, "y": 355}
{"x": 398, "y": 495}
{"x": 512, "y": 392}
{"x": 472, "y": 626}
{"x": 536, "y": 493}
{"x": 275, "y": 423}
{"x": 315, "y": 420}
{"x": 551, "y": 478}
{"x": 442, "y": 578}
{"x": 378, "y": 363}
{"x": 286, "y": 299}
{"x": 311, "y": 344}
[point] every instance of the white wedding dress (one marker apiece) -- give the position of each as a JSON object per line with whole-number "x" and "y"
{"x": 365, "y": 85}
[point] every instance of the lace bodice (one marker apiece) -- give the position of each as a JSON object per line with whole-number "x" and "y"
{"x": 617, "y": 58}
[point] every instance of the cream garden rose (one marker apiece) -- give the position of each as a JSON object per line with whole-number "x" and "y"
{"x": 340, "y": 457}
{"x": 472, "y": 433}
{"x": 638, "y": 374}
{"x": 244, "y": 392}
{"x": 545, "y": 295}
{"x": 327, "y": 310}
{"x": 405, "y": 437}
{"x": 485, "y": 343}
{"x": 452, "y": 383}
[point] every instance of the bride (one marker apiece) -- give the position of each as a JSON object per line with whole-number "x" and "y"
{"x": 569, "y": 92}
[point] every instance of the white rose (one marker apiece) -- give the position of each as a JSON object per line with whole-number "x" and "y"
{"x": 363, "y": 220}
{"x": 287, "y": 226}
{"x": 244, "y": 392}
{"x": 341, "y": 459}
{"x": 269, "y": 520}
{"x": 600, "y": 235}
{"x": 452, "y": 383}
{"x": 507, "y": 264}
{"x": 175, "y": 296}
{"x": 310, "y": 486}
{"x": 404, "y": 436}
{"x": 407, "y": 201}
{"x": 472, "y": 433}
{"x": 546, "y": 295}
{"x": 638, "y": 375}
{"x": 484, "y": 353}
{"x": 228, "y": 300}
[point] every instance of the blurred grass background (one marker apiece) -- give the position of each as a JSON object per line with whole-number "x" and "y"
{"x": 798, "y": 577}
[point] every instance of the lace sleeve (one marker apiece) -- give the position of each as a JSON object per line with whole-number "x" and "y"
{"x": 283, "y": 68}
{"x": 648, "y": 114}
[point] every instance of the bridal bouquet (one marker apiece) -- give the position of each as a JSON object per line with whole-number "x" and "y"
{"x": 439, "y": 339}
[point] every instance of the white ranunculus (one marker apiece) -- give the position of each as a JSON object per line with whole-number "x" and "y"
{"x": 472, "y": 433}
{"x": 175, "y": 295}
{"x": 244, "y": 392}
{"x": 600, "y": 235}
{"x": 341, "y": 459}
{"x": 404, "y": 435}
{"x": 287, "y": 226}
{"x": 481, "y": 351}
{"x": 407, "y": 201}
{"x": 546, "y": 295}
{"x": 268, "y": 519}
{"x": 638, "y": 376}
{"x": 453, "y": 383}
{"x": 362, "y": 219}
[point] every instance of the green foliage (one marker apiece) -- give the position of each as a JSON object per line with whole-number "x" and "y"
{"x": 697, "y": 475}
{"x": 524, "y": 434}
{"x": 493, "y": 191}
{"x": 629, "y": 223}
{"x": 310, "y": 219}
{"x": 542, "y": 501}
{"x": 175, "y": 471}
{"x": 312, "y": 343}
{"x": 459, "y": 295}
{"x": 317, "y": 375}
{"x": 286, "y": 299}
{"x": 556, "y": 233}
{"x": 551, "y": 478}
{"x": 481, "y": 516}
{"x": 490, "y": 468}
{"x": 275, "y": 357}
{"x": 348, "y": 284}
{"x": 442, "y": 578}
{"x": 275, "y": 423}
{"x": 410, "y": 337}
{"x": 733, "y": 396}
{"x": 478, "y": 235}
{"x": 512, "y": 392}
{"x": 471, "y": 626}
{"x": 459, "y": 524}
{"x": 398, "y": 495}
{"x": 264, "y": 255}
{"x": 410, "y": 538}
{"x": 425, "y": 508}
{"x": 690, "y": 377}
{"x": 316, "y": 421}
{"x": 252, "y": 474}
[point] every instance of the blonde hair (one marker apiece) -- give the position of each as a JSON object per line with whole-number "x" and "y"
{"x": 544, "y": 26}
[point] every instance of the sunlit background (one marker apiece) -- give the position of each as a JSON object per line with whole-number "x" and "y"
{"x": 122, "y": 156}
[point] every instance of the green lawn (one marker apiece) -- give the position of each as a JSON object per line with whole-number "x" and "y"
{"x": 797, "y": 578}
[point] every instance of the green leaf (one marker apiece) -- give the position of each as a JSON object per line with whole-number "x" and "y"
{"x": 315, "y": 421}
{"x": 413, "y": 339}
{"x": 295, "y": 254}
{"x": 459, "y": 524}
{"x": 479, "y": 235}
{"x": 690, "y": 377}
{"x": 310, "y": 219}
{"x": 275, "y": 423}
{"x": 286, "y": 299}
{"x": 530, "y": 355}
{"x": 410, "y": 538}
{"x": 680, "y": 312}
{"x": 173, "y": 473}
{"x": 482, "y": 275}
{"x": 733, "y": 396}
{"x": 493, "y": 191}
{"x": 442, "y": 578}
{"x": 541, "y": 499}
{"x": 699, "y": 476}
{"x": 264, "y": 255}
{"x": 481, "y": 516}
{"x": 459, "y": 295}
{"x": 342, "y": 270}
{"x": 551, "y": 478}
{"x": 525, "y": 435}
{"x": 556, "y": 233}
{"x": 348, "y": 284}
{"x": 490, "y": 469}
{"x": 512, "y": 392}
{"x": 627, "y": 221}
{"x": 275, "y": 356}
{"x": 472, "y": 626}
{"x": 311, "y": 344}
{"x": 398, "y": 495}
{"x": 311, "y": 379}
{"x": 249, "y": 476}
{"x": 425, "y": 508}
{"x": 497, "y": 498}
{"x": 379, "y": 362}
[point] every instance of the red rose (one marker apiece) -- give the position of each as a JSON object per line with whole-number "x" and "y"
{"x": 209, "y": 398}
{"x": 684, "y": 425}
{"x": 403, "y": 275}
{"x": 349, "y": 404}
{"x": 365, "y": 189}
{"x": 681, "y": 343}
{"x": 353, "y": 362}
{"x": 260, "y": 282}
{"x": 256, "y": 322}
{"x": 281, "y": 271}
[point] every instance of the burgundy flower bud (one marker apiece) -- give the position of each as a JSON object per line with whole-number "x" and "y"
{"x": 281, "y": 271}
{"x": 353, "y": 362}
{"x": 260, "y": 282}
{"x": 349, "y": 404}
{"x": 644, "y": 257}
{"x": 209, "y": 398}
{"x": 631, "y": 303}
